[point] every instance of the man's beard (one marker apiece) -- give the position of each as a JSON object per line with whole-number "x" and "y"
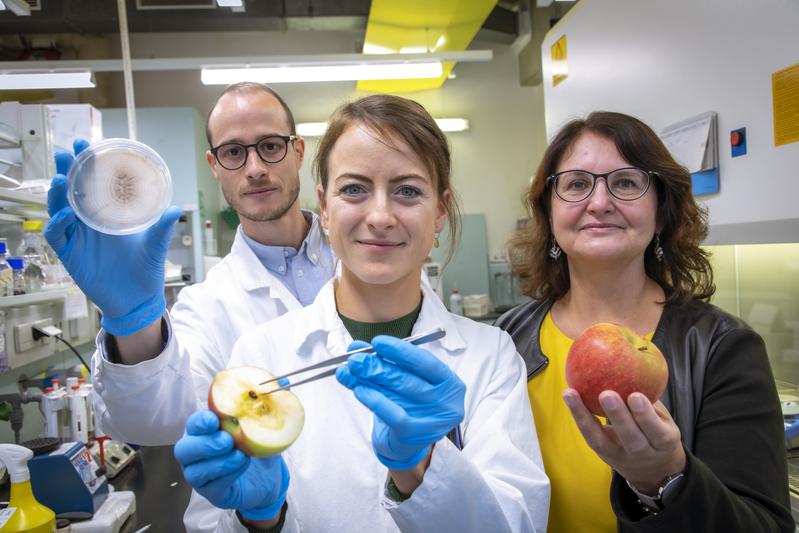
{"x": 265, "y": 216}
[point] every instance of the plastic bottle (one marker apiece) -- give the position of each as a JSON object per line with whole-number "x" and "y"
{"x": 77, "y": 407}
{"x": 6, "y": 276}
{"x": 17, "y": 275}
{"x": 210, "y": 241}
{"x": 27, "y": 514}
{"x": 456, "y": 302}
{"x": 50, "y": 411}
{"x": 86, "y": 395}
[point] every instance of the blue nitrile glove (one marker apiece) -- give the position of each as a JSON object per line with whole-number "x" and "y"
{"x": 227, "y": 478}
{"x": 122, "y": 274}
{"x": 416, "y": 400}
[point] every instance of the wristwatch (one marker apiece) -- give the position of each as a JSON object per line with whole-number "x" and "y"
{"x": 665, "y": 493}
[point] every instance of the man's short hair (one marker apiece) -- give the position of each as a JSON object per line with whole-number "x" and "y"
{"x": 245, "y": 86}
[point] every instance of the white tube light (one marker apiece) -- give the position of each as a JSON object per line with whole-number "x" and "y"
{"x": 311, "y": 129}
{"x": 229, "y": 3}
{"x": 32, "y": 79}
{"x": 317, "y": 129}
{"x": 452, "y": 124}
{"x": 330, "y": 72}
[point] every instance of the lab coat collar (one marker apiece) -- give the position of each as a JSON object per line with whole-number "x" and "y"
{"x": 327, "y": 327}
{"x": 251, "y": 274}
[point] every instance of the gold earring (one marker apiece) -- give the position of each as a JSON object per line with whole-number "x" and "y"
{"x": 436, "y": 243}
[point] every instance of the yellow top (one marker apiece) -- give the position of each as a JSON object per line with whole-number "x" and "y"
{"x": 580, "y": 479}
{"x": 32, "y": 226}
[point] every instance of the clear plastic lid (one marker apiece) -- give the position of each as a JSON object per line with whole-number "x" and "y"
{"x": 119, "y": 186}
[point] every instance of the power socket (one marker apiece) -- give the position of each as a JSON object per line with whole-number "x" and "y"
{"x": 23, "y": 335}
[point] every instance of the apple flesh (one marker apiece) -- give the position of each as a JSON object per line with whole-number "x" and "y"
{"x": 611, "y": 357}
{"x": 262, "y": 425}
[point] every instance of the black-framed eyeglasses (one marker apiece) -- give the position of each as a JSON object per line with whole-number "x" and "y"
{"x": 627, "y": 184}
{"x": 271, "y": 149}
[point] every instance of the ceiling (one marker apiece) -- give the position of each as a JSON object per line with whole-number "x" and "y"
{"x": 100, "y": 17}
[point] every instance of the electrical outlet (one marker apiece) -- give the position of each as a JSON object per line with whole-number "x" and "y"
{"x": 23, "y": 335}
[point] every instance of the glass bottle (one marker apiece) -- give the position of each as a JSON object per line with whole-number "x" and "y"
{"x": 6, "y": 275}
{"x": 17, "y": 275}
{"x": 40, "y": 261}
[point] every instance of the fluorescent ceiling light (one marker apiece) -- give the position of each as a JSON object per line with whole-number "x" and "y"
{"x": 18, "y": 7}
{"x": 311, "y": 129}
{"x": 452, "y": 124}
{"x": 317, "y": 129}
{"x": 329, "y": 72}
{"x": 229, "y": 3}
{"x": 45, "y": 79}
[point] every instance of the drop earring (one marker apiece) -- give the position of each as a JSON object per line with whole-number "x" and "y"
{"x": 658, "y": 249}
{"x": 436, "y": 242}
{"x": 554, "y": 250}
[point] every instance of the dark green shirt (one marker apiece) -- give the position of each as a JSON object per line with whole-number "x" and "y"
{"x": 366, "y": 331}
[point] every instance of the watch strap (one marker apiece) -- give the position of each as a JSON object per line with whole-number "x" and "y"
{"x": 657, "y": 502}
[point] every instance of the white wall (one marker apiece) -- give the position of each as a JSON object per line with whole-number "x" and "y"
{"x": 492, "y": 163}
{"x": 668, "y": 61}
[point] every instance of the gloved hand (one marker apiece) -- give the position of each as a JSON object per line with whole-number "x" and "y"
{"x": 255, "y": 486}
{"x": 416, "y": 398}
{"x": 122, "y": 274}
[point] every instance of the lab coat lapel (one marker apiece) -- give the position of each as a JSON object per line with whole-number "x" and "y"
{"x": 253, "y": 275}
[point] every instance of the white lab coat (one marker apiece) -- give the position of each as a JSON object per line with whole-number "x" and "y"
{"x": 148, "y": 403}
{"x": 495, "y": 484}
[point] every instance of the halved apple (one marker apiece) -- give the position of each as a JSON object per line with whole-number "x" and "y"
{"x": 262, "y": 425}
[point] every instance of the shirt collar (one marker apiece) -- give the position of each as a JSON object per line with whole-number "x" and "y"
{"x": 328, "y": 328}
{"x": 274, "y": 257}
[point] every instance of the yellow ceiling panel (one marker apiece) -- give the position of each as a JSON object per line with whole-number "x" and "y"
{"x": 415, "y": 26}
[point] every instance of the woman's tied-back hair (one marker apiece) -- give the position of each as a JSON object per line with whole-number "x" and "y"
{"x": 685, "y": 272}
{"x": 395, "y": 118}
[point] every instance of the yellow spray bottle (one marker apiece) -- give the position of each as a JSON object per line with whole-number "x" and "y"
{"x": 24, "y": 513}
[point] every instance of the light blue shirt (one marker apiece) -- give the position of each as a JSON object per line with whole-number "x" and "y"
{"x": 305, "y": 271}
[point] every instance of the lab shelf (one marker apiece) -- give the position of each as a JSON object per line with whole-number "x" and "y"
{"x": 24, "y": 198}
{"x": 34, "y": 297}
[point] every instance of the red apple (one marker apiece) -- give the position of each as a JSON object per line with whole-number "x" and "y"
{"x": 262, "y": 425}
{"x": 611, "y": 357}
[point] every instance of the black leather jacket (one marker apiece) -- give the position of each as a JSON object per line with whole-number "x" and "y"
{"x": 722, "y": 395}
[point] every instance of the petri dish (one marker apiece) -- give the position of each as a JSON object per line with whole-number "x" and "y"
{"x": 119, "y": 186}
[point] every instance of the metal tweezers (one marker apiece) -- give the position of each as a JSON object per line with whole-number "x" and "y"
{"x": 414, "y": 339}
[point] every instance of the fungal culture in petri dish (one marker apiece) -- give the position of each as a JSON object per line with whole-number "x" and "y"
{"x": 119, "y": 186}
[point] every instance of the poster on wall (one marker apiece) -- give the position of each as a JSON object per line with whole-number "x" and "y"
{"x": 560, "y": 68}
{"x": 785, "y": 98}
{"x": 693, "y": 143}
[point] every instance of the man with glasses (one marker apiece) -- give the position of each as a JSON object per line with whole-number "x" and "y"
{"x": 152, "y": 368}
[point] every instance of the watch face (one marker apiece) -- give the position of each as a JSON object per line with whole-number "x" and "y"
{"x": 672, "y": 487}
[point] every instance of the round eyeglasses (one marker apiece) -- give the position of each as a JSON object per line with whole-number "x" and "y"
{"x": 625, "y": 184}
{"x": 271, "y": 149}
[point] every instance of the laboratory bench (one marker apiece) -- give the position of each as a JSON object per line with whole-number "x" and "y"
{"x": 162, "y": 494}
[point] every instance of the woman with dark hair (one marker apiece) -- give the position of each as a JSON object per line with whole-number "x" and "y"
{"x": 615, "y": 237}
{"x": 411, "y": 438}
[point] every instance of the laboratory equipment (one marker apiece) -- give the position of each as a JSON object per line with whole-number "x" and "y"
{"x": 24, "y": 513}
{"x": 434, "y": 277}
{"x": 477, "y": 305}
{"x": 17, "y": 275}
{"x": 41, "y": 265}
{"x": 68, "y": 480}
{"x": 119, "y": 186}
{"x": 342, "y": 359}
{"x": 112, "y": 455}
{"x": 6, "y": 281}
{"x": 456, "y": 302}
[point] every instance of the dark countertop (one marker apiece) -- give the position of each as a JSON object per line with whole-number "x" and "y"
{"x": 162, "y": 494}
